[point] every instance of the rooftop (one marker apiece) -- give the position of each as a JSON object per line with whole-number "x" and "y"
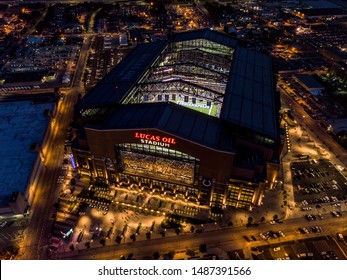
{"x": 110, "y": 90}
{"x": 22, "y": 124}
{"x": 207, "y": 34}
{"x": 324, "y": 12}
{"x": 249, "y": 97}
{"x": 170, "y": 118}
{"x": 308, "y": 81}
{"x": 249, "y": 101}
{"x": 123, "y": 77}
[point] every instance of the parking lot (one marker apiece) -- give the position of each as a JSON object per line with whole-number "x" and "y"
{"x": 90, "y": 214}
{"x": 317, "y": 248}
{"x": 103, "y": 56}
{"x": 317, "y": 182}
{"x": 271, "y": 235}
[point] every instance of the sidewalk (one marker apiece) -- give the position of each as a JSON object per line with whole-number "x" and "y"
{"x": 134, "y": 212}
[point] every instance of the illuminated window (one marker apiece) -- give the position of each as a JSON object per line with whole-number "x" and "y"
{"x": 217, "y": 198}
{"x": 100, "y": 172}
{"x": 181, "y": 188}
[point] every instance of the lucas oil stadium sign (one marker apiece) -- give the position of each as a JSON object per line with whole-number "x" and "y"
{"x": 156, "y": 140}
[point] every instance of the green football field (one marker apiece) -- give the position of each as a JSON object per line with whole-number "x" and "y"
{"x": 212, "y": 111}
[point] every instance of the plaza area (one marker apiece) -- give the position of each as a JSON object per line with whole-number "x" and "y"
{"x": 93, "y": 214}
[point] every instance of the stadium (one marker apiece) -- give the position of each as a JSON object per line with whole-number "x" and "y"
{"x": 194, "y": 118}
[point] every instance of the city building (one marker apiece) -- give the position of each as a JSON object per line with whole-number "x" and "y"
{"x": 123, "y": 40}
{"x": 24, "y": 126}
{"x": 309, "y": 83}
{"x": 333, "y": 54}
{"x": 338, "y": 70}
{"x": 194, "y": 117}
{"x": 322, "y": 13}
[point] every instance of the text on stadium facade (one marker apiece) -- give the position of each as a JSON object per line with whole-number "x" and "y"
{"x": 156, "y": 140}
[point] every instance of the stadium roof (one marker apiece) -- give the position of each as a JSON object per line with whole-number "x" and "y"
{"x": 170, "y": 118}
{"x": 208, "y": 34}
{"x": 249, "y": 97}
{"x": 110, "y": 90}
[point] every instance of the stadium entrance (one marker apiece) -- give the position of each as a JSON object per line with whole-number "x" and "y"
{"x": 157, "y": 163}
{"x": 157, "y": 169}
{"x": 185, "y": 116}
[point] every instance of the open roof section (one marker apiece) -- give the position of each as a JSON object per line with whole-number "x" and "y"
{"x": 208, "y": 34}
{"x": 170, "y": 118}
{"x": 250, "y": 94}
{"x": 110, "y": 90}
{"x": 249, "y": 99}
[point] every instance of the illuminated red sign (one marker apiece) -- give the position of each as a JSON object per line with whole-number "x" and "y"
{"x": 157, "y": 140}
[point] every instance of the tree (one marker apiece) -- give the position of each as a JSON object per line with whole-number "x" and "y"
{"x": 171, "y": 254}
{"x": 190, "y": 252}
{"x": 118, "y": 239}
{"x": 133, "y": 237}
{"x": 103, "y": 242}
{"x": 156, "y": 255}
{"x": 203, "y": 248}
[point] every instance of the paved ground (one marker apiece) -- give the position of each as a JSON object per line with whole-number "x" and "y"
{"x": 131, "y": 220}
{"x": 127, "y": 216}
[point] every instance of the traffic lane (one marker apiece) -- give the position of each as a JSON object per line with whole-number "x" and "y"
{"x": 298, "y": 112}
{"x": 41, "y": 212}
{"x": 43, "y": 188}
{"x": 148, "y": 247}
{"x": 82, "y": 61}
{"x": 57, "y": 153}
{"x": 47, "y": 181}
{"x": 233, "y": 237}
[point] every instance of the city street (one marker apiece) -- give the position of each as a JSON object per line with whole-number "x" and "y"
{"x": 160, "y": 178}
{"x": 231, "y": 237}
{"x": 338, "y": 153}
{"x": 227, "y": 239}
{"x": 46, "y": 193}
